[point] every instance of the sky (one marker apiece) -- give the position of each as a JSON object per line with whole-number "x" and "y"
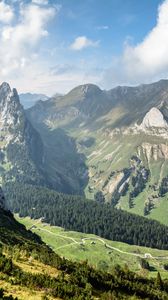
{"x": 49, "y": 46}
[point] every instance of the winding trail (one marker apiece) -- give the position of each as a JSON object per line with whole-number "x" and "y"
{"x": 59, "y": 235}
{"x": 83, "y": 240}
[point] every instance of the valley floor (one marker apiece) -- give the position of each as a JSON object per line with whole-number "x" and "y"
{"x": 100, "y": 253}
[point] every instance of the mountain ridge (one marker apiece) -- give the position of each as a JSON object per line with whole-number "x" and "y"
{"x": 108, "y": 128}
{"x": 103, "y": 141}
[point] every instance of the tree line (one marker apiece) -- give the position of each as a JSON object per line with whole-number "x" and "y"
{"x": 88, "y": 216}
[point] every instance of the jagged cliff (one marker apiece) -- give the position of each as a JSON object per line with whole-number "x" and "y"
{"x": 21, "y": 148}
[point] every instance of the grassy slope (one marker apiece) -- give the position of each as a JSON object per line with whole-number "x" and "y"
{"x": 121, "y": 148}
{"x": 13, "y": 233}
{"x": 23, "y": 292}
{"x": 96, "y": 254}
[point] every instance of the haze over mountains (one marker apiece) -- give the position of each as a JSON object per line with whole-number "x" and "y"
{"x": 92, "y": 140}
{"x": 29, "y": 99}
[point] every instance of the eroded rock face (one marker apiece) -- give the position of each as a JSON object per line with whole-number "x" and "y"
{"x": 153, "y": 124}
{"x": 113, "y": 183}
{"x": 154, "y": 118}
{"x": 154, "y": 151}
{"x": 11, "y": 111}
{"x": 2, "y": 199}
{"x": 21, "y": 148}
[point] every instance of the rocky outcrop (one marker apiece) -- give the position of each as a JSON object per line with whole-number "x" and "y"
{"x": 21, "y": 147}
{"x": 114, "y": 182}
{"x": 153, "y": 124}
{"x": 153, "y": 151}
{"x": 11, "y": 111}
{"x": 154, "y": 118}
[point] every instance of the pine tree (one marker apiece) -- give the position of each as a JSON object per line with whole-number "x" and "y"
{"x": 158, "y": 281}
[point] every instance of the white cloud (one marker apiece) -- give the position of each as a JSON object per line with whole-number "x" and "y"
{"x": 147, "y": 60}
{"x": 6, "y": 13}
{"x": 40, "y": 2}
{"x": 82, "y": 42}
{"x": 18, "y": 42}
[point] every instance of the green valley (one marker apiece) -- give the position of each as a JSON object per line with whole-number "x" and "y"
{"x": 100, "y": 253}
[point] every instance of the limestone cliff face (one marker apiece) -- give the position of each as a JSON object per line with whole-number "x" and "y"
{"x": 11, "y": 111}
{"x": 114, "y": 182}
{"x": 11, "y": 114}
{"x": 154, "y": 151}
{"x": 154, "y": 118}
{"x": 153, "y": 124}
{"x": 20, "y": 145}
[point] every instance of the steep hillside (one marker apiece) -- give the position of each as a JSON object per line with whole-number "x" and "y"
{"x": 122, "y": 135}
{"x": 12, "y": 232}
{"x": 31, "y": 270}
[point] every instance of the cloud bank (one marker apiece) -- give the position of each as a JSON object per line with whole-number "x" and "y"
{"x": 18, "y": 40}
{"x": 146, "y": 61}
{"x": 6, "y": 13}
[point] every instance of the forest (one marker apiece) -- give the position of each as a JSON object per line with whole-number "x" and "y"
{"x": 88, "y": 216}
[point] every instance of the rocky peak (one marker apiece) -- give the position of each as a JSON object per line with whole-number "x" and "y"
{"x": 20, "y": 144}
{"x": 153, "y": 124}
{"x": 154, "y": 118}
{"x": 11, "y": 111}
{"x": 85, "y": 90}
{"x": 8, "y": 95}
{"x": 5, "y": 88}
{"x": 89, "y": 89}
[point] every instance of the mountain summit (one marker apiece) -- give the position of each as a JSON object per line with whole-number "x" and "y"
{"x": 154, "y": 118}
{"x": 10, "y": 107}
{"x": 20, "y": 144}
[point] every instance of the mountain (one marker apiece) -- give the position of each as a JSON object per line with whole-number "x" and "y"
{"x": 29, "y": 99}
{"x": 27, "y": 157}
{"x": 91, "y": 141}
{"x": 122, "y": 135}
{"x": 21, "y": 148}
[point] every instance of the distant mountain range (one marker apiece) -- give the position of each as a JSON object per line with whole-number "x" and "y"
{"x": 29, "y": 99}
{"x": 113, "y": 142}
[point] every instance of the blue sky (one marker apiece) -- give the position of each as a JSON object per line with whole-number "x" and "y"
{"x": 50, "y": 46}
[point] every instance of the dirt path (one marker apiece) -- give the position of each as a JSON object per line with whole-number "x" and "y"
{"x": 60, "y": 235}
{"x": 146, "y": 255}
